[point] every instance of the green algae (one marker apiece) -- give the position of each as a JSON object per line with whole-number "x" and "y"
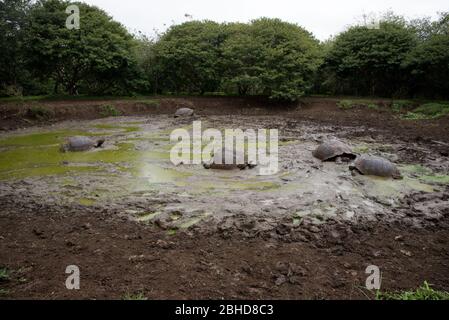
{"x": 425, "y": 174}
{"x": 86, "y": 201}
{"x": 439, "y": 179}
{"x": 191, "y": 222}
{"x": 44, "y": 139}
{"x": 388, "y": 187}
{"x": 126, "y": 129}
{"x": 148, "y": 216}
{"x": 43, "y": 171}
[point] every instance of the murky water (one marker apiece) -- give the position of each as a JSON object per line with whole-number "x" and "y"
{"x": 133, "y": 171}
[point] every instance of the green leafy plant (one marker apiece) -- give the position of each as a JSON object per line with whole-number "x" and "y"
{"x": 401, "y": 106}
{"x": 4, "y": 274}
{"x": 108, "y": 110}
{"x": 425, "y": 292}
{"x": 346, "y": 104}
{"x": 39, "y": 113}
{"x": 137, "y": 296}
{"x": 349, "y": 104}
{"x": 428, "y": 111}
{"x": 4, "y": 292}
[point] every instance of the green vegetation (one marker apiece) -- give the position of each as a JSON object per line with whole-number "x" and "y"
{"x": 349, "y": 104}
{"x": 428, "y": 111}
{"x": 265, "y": 57}
{"x": 425, "y": 292}
{"x": 4, "y": 274}
{"x": 108, "y": 110}
{"x": 4, "y": 292}
{"x": 39, "y": 113}
{"x": 346, "y": 104}
{"x": 137, "y": 296}
{"x": 399, "y": 106}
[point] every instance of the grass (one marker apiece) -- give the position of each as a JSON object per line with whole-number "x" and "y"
{"x": 4, "y": 274}
{"x": 350, "y": 104}
{"x": 346, "y": 104}
{"x": 39, "y": 113}
{"x": 148, "y": 102}
{"x": 399, "y": 106}
{"x": 136, "y": 296}
{"x": 428, "y": 111}
{"x": 425, "y": 292}
{"x": 109, "y": 110}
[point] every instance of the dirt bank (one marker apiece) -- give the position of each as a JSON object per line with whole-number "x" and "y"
{"x": 118, "y": 257}
{"x": 323, "y": 110}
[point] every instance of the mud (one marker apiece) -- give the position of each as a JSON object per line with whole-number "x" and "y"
{"x": 130, "y": 191}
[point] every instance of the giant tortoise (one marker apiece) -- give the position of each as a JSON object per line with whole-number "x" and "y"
{"x": 332, "y": 150}
{"x": 184, "y": 112}
{"x": 218, "y": 162}
{"x": 375, "y": 166}
{"x": 81, "y": 143}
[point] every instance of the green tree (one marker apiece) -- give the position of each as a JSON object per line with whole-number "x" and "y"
{"x": 187, "y": 57}
{"x": 270, "y": 57}
{"x": 13, "y": 19}
{"x": 428, "y": 62}
{"x": 96, "y": 58}
{"x": 368, "y": 61}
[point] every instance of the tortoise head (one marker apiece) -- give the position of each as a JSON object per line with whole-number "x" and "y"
{"x": 99, "y": 143}
{"x": 64, "y": 147}
{"x": 397, "y": 175}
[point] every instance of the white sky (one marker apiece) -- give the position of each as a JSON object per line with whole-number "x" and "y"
{"x": 321, "y": 17}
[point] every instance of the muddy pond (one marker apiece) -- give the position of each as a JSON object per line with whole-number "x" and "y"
{"x": 132, "y": 174}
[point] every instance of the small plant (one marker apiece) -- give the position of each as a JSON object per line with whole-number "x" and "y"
{"x": 108, "y": 110}
{"x": 39, "y": 113}
{"x": 373, "y": 106}
{"x": 349, "y": 104}
{"x": 401, "y": 106}
{"x": 346, "y": 104}
{"x": 415, "y": 116}
{"x": 425, "y": 292}
{"x": 428, "y": 111}
{"x": 138, "y": 296}
{"x": 149, "y": 102}
{"x": 3, "y": 292}
{"x": 4, "y": 274}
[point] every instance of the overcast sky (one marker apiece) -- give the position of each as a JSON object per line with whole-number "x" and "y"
{"x": 322, "y": 17}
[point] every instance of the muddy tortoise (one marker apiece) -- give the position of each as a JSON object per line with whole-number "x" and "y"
{"x": 219, "y": 163}
{"x": 184, "y": 112}
{"x": 332, "y": 150}
{"x": 81, "y": 143}
{"x": 375, "y": 166}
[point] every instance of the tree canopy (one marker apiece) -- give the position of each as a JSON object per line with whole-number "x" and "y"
{"x": 267, "y": 57}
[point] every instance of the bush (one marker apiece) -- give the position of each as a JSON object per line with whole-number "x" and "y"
{"x": 39, "y": 113}
{"x": 428, "y": 111}
{"x": 108, "y": 110}
{"x": 400, "y": 106}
